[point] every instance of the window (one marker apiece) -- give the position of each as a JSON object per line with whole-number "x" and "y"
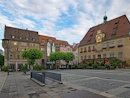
{"x": 42, "y": 49}
{"x": 84, "y": 49}
{"x": 81, "y": 57}
{"x": 10, "y": 56}
{"x": 93, "y": 56}
{"x": 31, "y": 45}
{"x": 36, "y": 45}
{"x": 22, "y": 49}
{"x": 15, "y": 43}
{"x": 42, "y": 41}
{"x": 48, "y": 49}
{"x": 112, "y": 44}
{"x": 120, "y": 42}
{"x": 111, "y": 54}
{"x": 68, "y": 49}
{"x": 20, "y": 37}
{"x": 17, "y": 49}
{"x": 85, "y": 57}
{"x": 30, "y": 34}
{"x": 13, "y": 36}
{"x": 24, "y": 44}
{"x": 94, "y": 47}
{"x": 89, "y": 56}
{"x": 53, "y": 47}
{"x": 120, "y": 54}
{"x": 81, "y": 50}
{"x": 26, "y": 38}
{"x": 17, "y": 56}
{"x": 33, "y": 39}
{"x": 104, "y": 45}
{"x": 89, "y": 48}
{"x": 104, "y": 55}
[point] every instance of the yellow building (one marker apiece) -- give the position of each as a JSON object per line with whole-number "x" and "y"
{"x": 107, "y": 40}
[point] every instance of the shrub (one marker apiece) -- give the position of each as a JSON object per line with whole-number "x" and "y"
{"x": 101, "y": 67}
{"x": 75, "y": 66}
{"x": 24, "y": 68}
{"x": 37, "y": 67}
{"x": 90, "y": 63}
{"x": 80, "y": 67}
{"x": 102, "y": 64}
{"x": 95, "y": 66}
{"x": 85, "y": 65}
{"x": 107, "y": 66}
{"x": 4, "y": 68}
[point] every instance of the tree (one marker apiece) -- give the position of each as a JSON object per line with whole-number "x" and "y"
{"x": 31, "y": 55}
{"x": 56, "y": 56}
{"x": 69, "y": 56}
{"x": 1, "y": 60}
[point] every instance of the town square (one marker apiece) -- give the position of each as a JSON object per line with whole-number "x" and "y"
{"x": 64, "y": 49}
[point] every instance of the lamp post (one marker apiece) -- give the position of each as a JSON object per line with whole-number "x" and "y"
{"x": 7, "y": 55}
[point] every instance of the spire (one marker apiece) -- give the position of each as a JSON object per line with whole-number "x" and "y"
{"x": 105, "y": 18}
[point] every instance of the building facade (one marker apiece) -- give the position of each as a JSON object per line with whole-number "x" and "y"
{"x": 107, "y": 40}
{"x": 75, "y": 52}
{"x": 18, "y": 40}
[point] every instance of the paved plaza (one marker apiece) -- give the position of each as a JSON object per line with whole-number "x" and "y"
{"x": 76, "y": 84}
{"x": 18, "y": 85}
{"x": 110, "y": 83}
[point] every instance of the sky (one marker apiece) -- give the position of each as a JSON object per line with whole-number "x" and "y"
{"x": 63, "y": 19}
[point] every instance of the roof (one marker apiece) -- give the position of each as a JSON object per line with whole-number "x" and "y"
{"x": 76, "y": 46}
{"x": 121, "y": 24}
{"x": 61, "y": 42}
{"x": 51, "y": 39}
{"x": 20, "y": 34}
{"x": 45, "y": 38}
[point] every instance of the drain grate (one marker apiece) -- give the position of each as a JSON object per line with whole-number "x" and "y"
{"x": 32, "y": 95}
{"x": 127, "y": 87}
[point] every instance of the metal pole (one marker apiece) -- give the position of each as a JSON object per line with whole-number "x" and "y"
{"x": 8, "y": 56}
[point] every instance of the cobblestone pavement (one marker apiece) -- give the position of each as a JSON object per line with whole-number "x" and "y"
{"x": 18, "y": 85}
{"x": 115, "y": 83}
{"x": 2, "y": 79}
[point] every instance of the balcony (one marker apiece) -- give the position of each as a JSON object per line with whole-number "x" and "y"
{"x": 120, "y": 45}
{"x": 94, "y": 50}
{"x": 81, "y": 51}
{"x": 104, "y": 48}
{"x": 112, "y": 47}
{"x": 85, "y": 51}
{"x": 89, "y": 50}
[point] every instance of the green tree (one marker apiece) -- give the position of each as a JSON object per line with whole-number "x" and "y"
{"x": 56, "y": 56}
{"x": 31, "y": 55}
{"x": 69, "y": 56}
{"x": 1, "y": 60}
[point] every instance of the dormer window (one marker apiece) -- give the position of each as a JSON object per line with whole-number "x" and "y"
{"x": 30, "y": 34}
{"x": 13, "y": 36}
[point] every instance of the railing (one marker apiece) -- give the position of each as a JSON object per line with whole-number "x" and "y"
{"x": 37, "y": 76}
{"x": 55, "y": 76}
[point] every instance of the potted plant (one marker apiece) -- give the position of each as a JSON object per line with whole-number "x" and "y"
{"x": 4, "y": 68}
{"x": 24, "y": 68}
{"x": 95, "y": 66}
{"x": 107, "y": 67}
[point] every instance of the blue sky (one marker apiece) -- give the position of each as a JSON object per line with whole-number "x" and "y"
{"x": 64, "y": 19}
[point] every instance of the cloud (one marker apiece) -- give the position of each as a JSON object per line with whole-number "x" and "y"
{"x": 64, "y": 19}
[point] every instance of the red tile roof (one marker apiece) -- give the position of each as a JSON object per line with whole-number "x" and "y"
{"x": 123, "y": 26}
{"x": 11, "y": 31}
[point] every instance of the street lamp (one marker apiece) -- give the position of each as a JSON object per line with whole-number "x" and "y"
{"x": 7, "y": 41}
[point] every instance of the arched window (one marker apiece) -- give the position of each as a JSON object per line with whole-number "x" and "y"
{"x": 53, "y": 47}
{"x": 48, "y": 49}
